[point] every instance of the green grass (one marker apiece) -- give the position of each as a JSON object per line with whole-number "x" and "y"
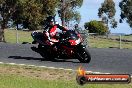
{"x": 107, "y": 43}
{"x": 123, "y": 37}
{"x": 14, "y": 81}
{"x": 11, "y": 79}
{"x": 10, "y": 36}
{"x": 128, "y": 37}
{"x": 97, "y": 42}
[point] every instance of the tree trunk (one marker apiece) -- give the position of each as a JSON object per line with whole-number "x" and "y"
{"x": 63, "y": 17}
{"x": 63, "y": 13}
{"x": 63, "y": 22}
{"x": 2, "y": 37}
{"x": 3, "y": 26}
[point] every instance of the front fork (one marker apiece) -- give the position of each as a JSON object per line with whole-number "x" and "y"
{"x": 79, "y": 49}
{"x": 80, "y": 46}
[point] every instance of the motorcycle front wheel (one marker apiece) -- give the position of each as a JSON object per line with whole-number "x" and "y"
{"x": 83, "y": 55}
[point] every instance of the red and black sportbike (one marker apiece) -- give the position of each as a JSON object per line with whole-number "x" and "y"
{"x": 69, "y": 45}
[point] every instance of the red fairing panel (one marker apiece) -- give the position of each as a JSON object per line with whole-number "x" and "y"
{"x": 69, "y": 51}
{"x": 73, "y": 42}
{"x": 80, "y": 37}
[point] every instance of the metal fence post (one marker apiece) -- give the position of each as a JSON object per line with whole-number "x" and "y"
{"x": 88, "y": 39}
{"x": 17, "y": 36}
{"x": 120, "y": 42}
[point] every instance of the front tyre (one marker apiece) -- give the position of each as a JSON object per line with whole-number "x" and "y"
{"x": 84, "y": 55}
{"x": 34, "y": 42}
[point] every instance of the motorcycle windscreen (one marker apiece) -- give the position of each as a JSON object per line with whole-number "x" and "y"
{"x": 72, "y": 35}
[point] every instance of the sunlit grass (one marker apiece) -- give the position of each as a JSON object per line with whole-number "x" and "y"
{"x": 21, "y": 80}
{"x": 96, "y": 42}
{"x": 10, "y": 36}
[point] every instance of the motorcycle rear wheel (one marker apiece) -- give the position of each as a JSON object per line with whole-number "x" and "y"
{"x": 46, "y": 53}
{"x": 34, "y": 42}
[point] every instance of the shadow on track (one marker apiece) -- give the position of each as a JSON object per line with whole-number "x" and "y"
{"x": 41, "y": 59}
{"x": 44, "y": 57}
{"x": 26, "y": 58}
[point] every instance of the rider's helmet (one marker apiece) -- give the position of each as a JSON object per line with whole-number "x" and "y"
{"x": 50, "y": 20}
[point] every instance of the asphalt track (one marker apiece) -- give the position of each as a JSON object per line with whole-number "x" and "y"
{"x": 117, "y": 61}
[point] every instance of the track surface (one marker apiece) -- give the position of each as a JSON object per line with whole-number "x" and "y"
{"x": 103, "y": 60}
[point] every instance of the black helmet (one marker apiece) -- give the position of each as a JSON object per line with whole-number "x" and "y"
{"x": 50, "y": 19}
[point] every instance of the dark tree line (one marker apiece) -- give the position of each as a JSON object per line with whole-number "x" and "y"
{"x": 31, "y": 13}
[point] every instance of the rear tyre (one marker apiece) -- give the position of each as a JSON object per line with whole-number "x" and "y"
{"x": 40, "y": 46}
{"x": 84, "y": 55}
{"x": 34, "y": 42}
{"x": 43, "y": 51}
{"x": 46, "y": 53}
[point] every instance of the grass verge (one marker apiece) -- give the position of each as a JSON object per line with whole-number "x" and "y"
{"x": 106, "y": 43}
{"x": 23, "y": 36}
{"x": 13, "y": 76}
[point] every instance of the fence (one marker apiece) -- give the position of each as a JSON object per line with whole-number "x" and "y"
{"x": 14, "y": 36}
{"x": 107, "y": 41}
{"x": 91, "y": 39}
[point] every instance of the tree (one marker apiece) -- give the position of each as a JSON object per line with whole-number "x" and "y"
{"x": 31, "y": 13}
{"x": 67, "y": 10}
{"x": 96, "y": 27}
{"x": 107, "y": 12}
{"x": 77, "y": 17}
{"x": 17, "y": 16}
{"x": 7, "y": 8}
{"x": 126, "y": 11}
{"x": 49, "y": 6}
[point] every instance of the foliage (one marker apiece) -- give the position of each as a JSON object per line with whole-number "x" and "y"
{"x": 49, "y": 6}
{"x": 126, "y": 11}
{"x": 7, "y": 8}
{"x": 107, "y": 12}
{"x": 96, "y": 27}
{"x": 72, "y": 16}
{"x": 30, "y": 13}
{"x": 67, "y": 10}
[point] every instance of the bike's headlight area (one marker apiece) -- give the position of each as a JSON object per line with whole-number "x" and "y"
{"x": 75, "y": 42}
{"x": 78, "y": 41}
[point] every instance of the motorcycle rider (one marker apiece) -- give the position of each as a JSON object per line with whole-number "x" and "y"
{"x": 50, "y": 31}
